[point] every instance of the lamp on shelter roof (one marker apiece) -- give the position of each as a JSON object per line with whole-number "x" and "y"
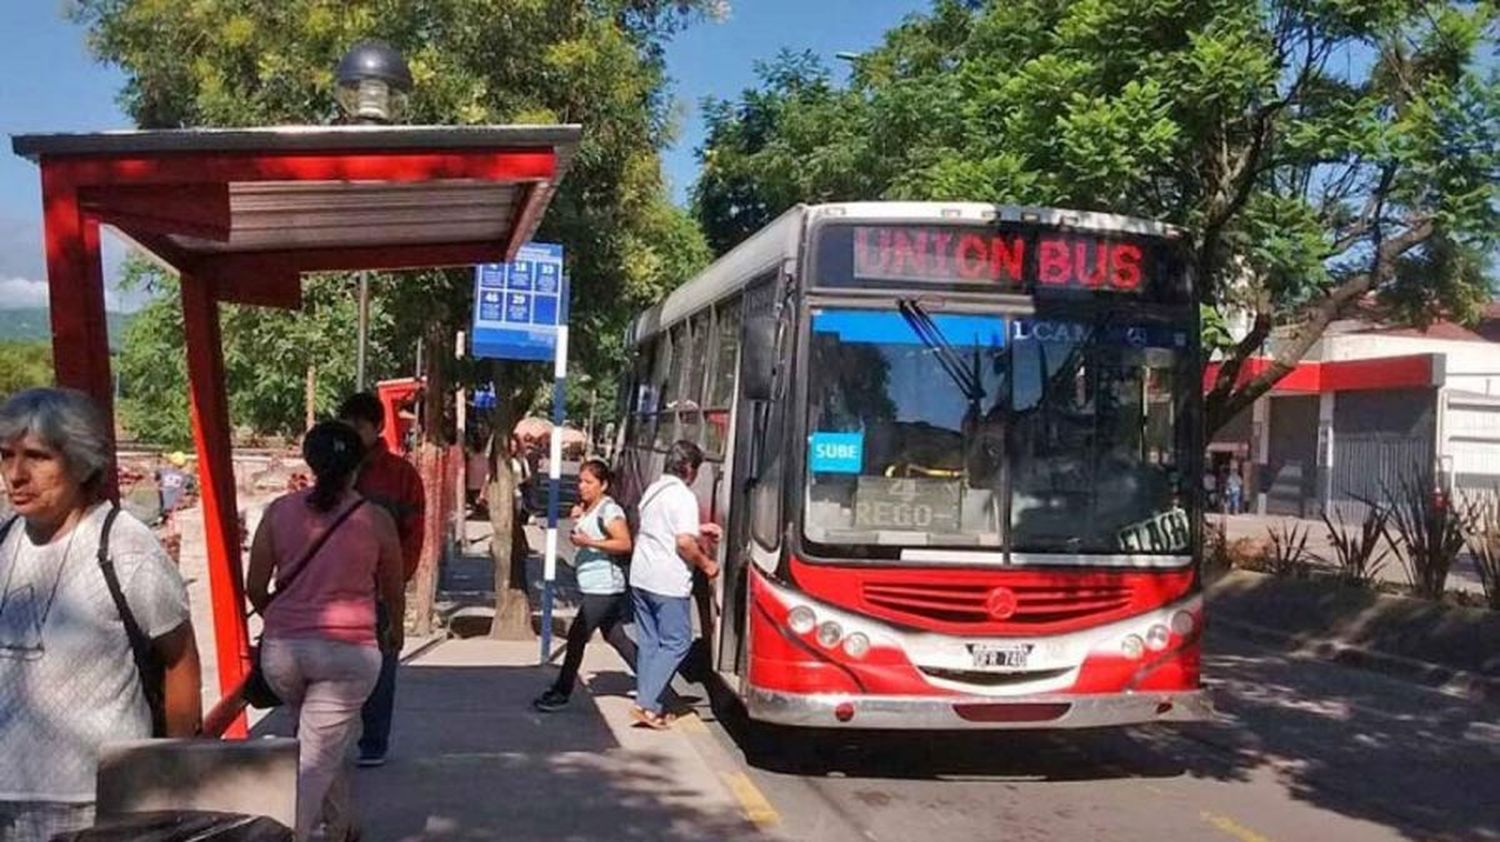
{"x": 373, "y": 81}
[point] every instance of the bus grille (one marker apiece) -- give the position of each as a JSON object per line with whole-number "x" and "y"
{"x": 968, "y": 603}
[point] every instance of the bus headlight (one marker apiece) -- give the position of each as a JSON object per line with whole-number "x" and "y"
{"x": 801, "y": 619}
{"x": 1157, "y": 637}
{"x": 1183, "y": 623}
{"x": 857, "y": 645}
{"x": 830, "y": 633}
{"x": 1133, "y": 646}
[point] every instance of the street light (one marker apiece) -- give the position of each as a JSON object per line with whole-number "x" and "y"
{"x": 373, "y": 81}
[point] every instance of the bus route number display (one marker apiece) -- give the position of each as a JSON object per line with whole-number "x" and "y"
{"x": 1013, "y": 260}
{"x": 907, "y": 505}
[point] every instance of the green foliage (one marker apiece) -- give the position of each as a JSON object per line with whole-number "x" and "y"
{"x": 24, "y": 365}
{"x": 266, "y": 357}
{"x": 1318, "y": 151}
{"x": 594, "y": 62}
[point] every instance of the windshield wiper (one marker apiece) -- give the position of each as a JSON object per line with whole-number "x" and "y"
{"x": 932, "y": 336}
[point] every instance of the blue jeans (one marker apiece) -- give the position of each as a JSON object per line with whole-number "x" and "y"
{"x": 664, "y": 625}
{"x": 380, "y": 708}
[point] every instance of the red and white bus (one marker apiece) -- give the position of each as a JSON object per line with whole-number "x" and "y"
{"x": 953, "y": 449}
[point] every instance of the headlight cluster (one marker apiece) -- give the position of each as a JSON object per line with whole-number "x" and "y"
{"x": 830, "y": 635}
{"x": 1159, "y": 636}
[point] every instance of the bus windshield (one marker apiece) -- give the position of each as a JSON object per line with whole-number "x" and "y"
{"x": 1018, "y": 433}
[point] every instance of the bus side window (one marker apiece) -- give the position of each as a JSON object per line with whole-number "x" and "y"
{"x": 766, "y": 497}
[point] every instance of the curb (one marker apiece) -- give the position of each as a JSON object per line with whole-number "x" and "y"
{"x": 757, "y": 809}
{"x": 1476, "y": 688}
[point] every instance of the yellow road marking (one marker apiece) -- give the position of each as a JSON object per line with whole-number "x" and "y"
{"x": 1232, "y": 827}
{"x": 757, "y": 809}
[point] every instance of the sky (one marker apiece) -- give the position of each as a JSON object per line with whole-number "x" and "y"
{"x": 52, "y": 84}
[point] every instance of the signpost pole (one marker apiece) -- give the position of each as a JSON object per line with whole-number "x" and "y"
{"x": 554, "y": 480}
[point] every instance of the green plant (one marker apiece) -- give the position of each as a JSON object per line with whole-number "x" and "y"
{"x": 1216, "y": 559}
{"x": 1430, "y": 528}
{"x": 1287, "y": 554}
{"x": 1483, "y": 515}
{"x": 1355, "y": 553}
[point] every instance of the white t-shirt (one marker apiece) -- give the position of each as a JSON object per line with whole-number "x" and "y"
{"x": 68, "y": 683}
{"x": 669, "y": 508}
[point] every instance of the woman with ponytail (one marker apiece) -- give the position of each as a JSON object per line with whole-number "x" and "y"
{"x": 329, "y": 554}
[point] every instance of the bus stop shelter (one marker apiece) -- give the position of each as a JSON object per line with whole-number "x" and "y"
{"x": 240, "y": 215}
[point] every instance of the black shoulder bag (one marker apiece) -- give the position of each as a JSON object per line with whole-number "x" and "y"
{"x": 152, "y": 671}
{"x": 257, "y": 691}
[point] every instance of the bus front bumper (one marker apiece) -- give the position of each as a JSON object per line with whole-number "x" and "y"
{"x": 979, "y": 712}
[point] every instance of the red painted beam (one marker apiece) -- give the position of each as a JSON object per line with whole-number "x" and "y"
{"x": 75, "y": 287}
{"x": 197, "y": 210}
{"x": 527, "y": 214}
{"x": 211, "y": 434}
{"x": 1412, "y": 371}
{"x": 507, "y": 165}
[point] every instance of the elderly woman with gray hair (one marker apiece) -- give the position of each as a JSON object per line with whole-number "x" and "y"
{"x": 69, "y": 559}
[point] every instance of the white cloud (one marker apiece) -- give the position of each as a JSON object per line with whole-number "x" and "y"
{"x": 20, "y": 293}
{"x": 16, "y": 293}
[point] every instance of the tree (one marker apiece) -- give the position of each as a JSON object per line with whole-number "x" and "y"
{"x": 267, "y": 355}
{"x": 24, "y": 365}
{"x": 1320, "y": 152}
{"x": 594, "y": 62}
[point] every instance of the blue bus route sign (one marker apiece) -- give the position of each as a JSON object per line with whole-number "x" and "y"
{"x": 518, "y": 305}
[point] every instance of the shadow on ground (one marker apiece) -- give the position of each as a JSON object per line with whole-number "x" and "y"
{"x": 470, "y": 760}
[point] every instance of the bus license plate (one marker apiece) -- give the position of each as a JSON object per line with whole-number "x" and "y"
{"x": 1006, "y": 656}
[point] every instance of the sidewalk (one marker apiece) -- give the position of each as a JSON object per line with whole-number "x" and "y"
{"x": 471, "y": 760}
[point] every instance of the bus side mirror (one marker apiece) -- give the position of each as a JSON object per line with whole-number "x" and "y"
{"x": 758, "y": 366}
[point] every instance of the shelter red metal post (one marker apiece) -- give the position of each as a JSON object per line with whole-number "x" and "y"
{"x": 241, "y": 214}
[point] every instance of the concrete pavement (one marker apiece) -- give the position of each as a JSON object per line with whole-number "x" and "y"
{"x": 471, "y": 760}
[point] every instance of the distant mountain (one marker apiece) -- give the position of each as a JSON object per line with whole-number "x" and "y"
{"x": 34, "y": 324}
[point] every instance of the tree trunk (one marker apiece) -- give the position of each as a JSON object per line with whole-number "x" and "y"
{"x": 430, "y": 466}
{"x": 507, "y": 536}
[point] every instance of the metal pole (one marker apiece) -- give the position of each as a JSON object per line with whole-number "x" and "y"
{"x": 364, "y": 331}
{"x": 554, "y": 480}
{"x": 461, "y": 425}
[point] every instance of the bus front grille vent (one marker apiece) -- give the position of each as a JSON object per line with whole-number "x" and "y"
{"x": 971, "y": 604}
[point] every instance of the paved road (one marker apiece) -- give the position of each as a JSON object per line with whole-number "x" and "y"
{"x": 1304, "y": 750}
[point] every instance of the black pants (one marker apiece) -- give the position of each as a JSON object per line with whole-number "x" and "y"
{"x": 607, "y": 612}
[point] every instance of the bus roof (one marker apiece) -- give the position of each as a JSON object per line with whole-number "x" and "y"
{"x": 770, "y": 246}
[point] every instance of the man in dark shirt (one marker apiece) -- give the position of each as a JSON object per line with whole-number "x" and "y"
{"x": 389, "y": 481}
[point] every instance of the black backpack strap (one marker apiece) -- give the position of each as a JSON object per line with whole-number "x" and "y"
{"x": 5, "y": 530}
{"x": 140, "y": 644}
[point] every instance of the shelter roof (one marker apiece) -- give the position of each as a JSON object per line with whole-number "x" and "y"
{"x": 250, "y": 209}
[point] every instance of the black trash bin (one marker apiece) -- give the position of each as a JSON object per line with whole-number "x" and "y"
{"x": 183, "y": 826}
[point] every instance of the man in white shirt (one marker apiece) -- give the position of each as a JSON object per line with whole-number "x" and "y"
{"x": 667, "y": 548}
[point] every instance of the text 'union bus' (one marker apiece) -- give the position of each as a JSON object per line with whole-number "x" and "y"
{"x": 952, "y": 449}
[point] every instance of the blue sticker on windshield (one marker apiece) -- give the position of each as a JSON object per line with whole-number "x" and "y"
{"x": 891, "y": 328}
{"x": 837, "y": 453}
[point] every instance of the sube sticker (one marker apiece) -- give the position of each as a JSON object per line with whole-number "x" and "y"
{"x": 837, "y": 453}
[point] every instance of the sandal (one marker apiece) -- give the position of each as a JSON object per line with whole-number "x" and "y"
{"x": 654, "y": 721}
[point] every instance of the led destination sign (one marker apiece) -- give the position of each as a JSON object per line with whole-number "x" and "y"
{"x": 948, "y": 255}
{"x": 1020, "y": 258}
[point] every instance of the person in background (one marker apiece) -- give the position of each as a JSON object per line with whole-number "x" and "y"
{"x": 669, "y": 545}
{"x": 68, "y": 681}
{"x": 1234, "y": 491}
{"x": 173, "y": 481}
{"x": 603, "y": 540}
{"x": 320, "y": 651}
{"x": 390, "y": 482}
{"x": 1210, "y": 489}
